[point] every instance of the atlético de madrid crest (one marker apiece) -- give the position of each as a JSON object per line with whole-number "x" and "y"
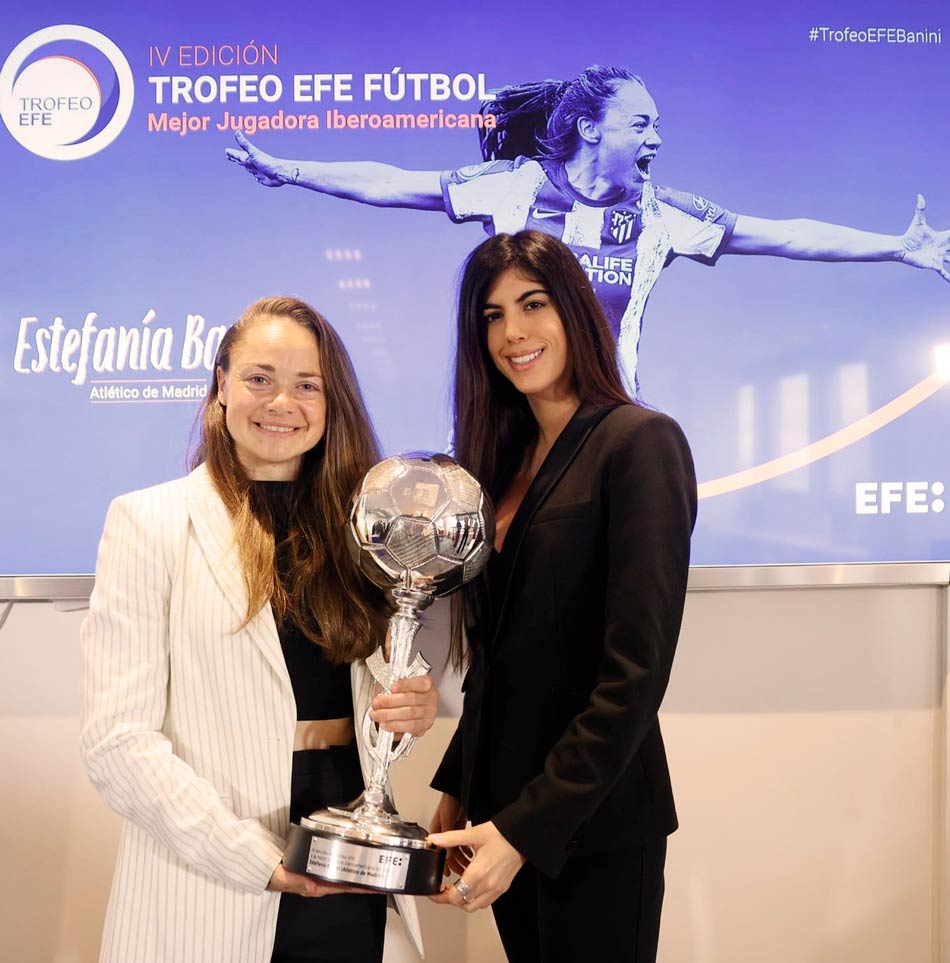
{"x": 621, "y": 225}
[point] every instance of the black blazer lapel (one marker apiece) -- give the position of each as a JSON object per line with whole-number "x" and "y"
{"x": 569, "y": 442}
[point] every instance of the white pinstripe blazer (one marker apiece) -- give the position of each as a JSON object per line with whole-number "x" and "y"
{"x": 187, "y": 731}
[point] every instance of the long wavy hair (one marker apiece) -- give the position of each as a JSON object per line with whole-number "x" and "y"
{"x": 494, "y": 425}
{"x": 324, "y": 595}
{"x": 540, "y": 119}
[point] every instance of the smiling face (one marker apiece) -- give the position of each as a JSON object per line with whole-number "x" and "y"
{"x": 525, "y": 337}
{"x": 275, "y": 406}
{"x": 627, "y": 138}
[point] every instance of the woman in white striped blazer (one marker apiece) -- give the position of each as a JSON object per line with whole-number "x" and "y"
{"x": 190, "y": 723}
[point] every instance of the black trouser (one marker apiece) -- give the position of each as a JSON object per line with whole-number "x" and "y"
{"x": 348, "y": 928}
{"x": 604, "y": 907}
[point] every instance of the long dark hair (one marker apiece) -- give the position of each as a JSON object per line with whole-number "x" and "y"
{"x": 325, "y": 594}
{"x": 541, "y": 118}
{"x": 494, "y": 425}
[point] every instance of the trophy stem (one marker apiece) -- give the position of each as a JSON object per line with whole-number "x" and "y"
{"x": 403, "y": 626}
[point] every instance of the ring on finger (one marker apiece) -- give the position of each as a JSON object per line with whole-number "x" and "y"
{"x": 463, "y": 890}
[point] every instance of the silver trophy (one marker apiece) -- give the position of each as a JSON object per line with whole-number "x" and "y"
{"x": 421, "y": 527}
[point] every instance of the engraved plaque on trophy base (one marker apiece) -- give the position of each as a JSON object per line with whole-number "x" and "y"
{"x": 387, "y": 856}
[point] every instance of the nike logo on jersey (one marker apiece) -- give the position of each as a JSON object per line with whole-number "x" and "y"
{"x": 540, "y": 215}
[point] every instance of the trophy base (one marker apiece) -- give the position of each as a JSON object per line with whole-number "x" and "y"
{"x": 384, "y": 853}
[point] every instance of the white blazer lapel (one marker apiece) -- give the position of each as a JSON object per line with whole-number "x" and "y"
{"x": 214, "y": 533}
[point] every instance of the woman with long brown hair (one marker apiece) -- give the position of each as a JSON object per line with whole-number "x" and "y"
{"x": 223, "y": 664}
{"x": 558, "y": 759}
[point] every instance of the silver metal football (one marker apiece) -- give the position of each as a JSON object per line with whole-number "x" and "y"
{"x": 420, "y": 521}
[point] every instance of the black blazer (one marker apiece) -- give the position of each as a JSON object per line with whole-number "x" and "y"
{"x": 559, "y": 743}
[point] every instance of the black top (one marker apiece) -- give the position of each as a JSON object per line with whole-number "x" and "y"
{"x": 321, "y": 689}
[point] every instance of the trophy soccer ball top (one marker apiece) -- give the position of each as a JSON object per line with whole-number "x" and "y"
{"x": 420, "y": 522}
